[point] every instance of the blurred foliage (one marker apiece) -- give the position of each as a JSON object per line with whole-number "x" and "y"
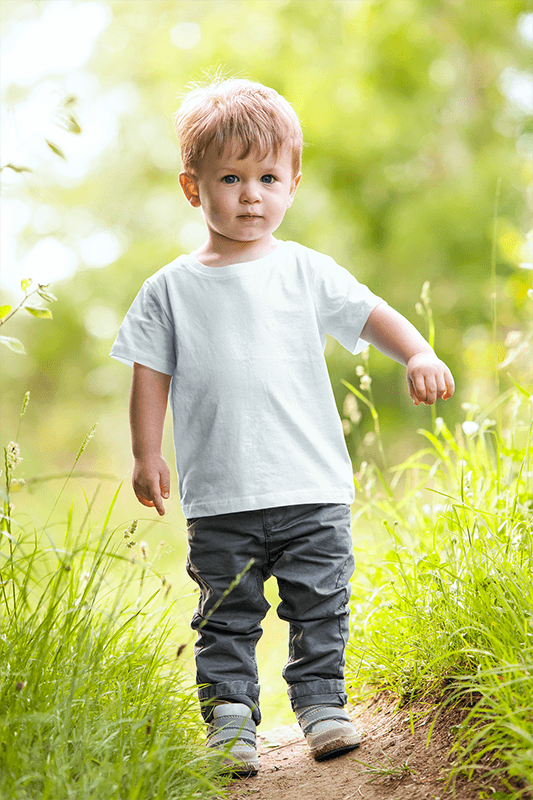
{"x": 410, "y": 129}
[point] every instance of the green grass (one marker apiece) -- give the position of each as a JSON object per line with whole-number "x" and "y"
{"x": 92, "y": 700}
{"x": 446, "y": 571}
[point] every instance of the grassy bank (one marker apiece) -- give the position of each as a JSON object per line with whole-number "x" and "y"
{"x": 443, "y": 602}
{"x": 92, "y": 700}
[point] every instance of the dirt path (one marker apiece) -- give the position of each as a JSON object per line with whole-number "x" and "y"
{"x": 288, "y": 772}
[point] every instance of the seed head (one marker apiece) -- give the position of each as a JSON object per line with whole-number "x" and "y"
{"x": 128, "y": 533}
{"x": 86, "y": 442}
{"x": 424, "y": 294}
{"x": 24, "y": 404}
{"x": 349, "y": 405}
{"x": 366, "y": 380}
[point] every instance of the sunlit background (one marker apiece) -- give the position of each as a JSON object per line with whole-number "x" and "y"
{"x": 418, "y": 119}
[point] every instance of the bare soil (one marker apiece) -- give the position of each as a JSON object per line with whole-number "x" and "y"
{"x": 400, "y": 764}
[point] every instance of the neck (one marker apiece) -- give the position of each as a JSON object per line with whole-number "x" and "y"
{"x": 218, "y": 251}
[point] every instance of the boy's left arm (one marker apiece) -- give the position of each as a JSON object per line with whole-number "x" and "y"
{"x": 428, "y": 378}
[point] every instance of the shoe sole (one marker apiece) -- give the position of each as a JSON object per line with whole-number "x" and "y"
{"x": 324, "y": 747}
{"x": 338, "y": 751}
{"x": 242, "y": 770}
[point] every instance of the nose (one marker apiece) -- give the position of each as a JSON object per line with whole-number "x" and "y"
{"x": 250, "y": 192}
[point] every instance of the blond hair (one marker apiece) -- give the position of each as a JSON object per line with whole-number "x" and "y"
{"x": 236, "y": 110}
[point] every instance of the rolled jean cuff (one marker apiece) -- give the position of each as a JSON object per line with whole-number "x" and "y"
{"x": 232, "y": 692}
{"x": 321, "y": 692}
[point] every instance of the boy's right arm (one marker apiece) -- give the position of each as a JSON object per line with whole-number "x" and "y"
{"x": 148, "y": 405}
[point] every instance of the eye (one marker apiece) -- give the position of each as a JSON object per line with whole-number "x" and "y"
{"x": 268, "y": 179}
{"x": 230, "y": 179}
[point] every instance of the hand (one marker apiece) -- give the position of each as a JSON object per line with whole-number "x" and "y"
{"x": 428, "y": 378}
{"x": 151, "y": 482}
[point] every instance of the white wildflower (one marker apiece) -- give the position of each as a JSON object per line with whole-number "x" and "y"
{"x": 360, "y": 370}
{"x": 13, "y": 456}
{"x": 350, "y": 408}
{"x": 488, "y": 423}
{"x": 469, "y": 427}
{"x": 513, "y": 338}
{"x": 349, "y": 405}
{"x": 470, "y": 407}
{"x": 359, "y": 475}
{"x": 366, "y": 380}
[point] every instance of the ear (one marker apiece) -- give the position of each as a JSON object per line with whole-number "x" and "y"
{"x": 190, "y": 189}
{"x": 295, "y": 181}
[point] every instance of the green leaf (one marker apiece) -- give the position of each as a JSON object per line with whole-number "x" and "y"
{"x": 16, "y": 168}
{"x": 4, "y": 311}
{"x": 392, "y": 556}
{"x": 12, "y": 343}
{"x": 69, "y": 123}
{"x": 55, "y": 149}
{"x": 521, "y": 389}
{"x": 42, "y": 313}
{"x": 25, "y": 284}
{"x": 46, "y": 295}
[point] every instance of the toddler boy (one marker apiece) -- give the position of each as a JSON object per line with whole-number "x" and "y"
{"x": 235, "y": 333}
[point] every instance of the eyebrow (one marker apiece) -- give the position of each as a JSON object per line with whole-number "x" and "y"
{"x": 233, "y": 168}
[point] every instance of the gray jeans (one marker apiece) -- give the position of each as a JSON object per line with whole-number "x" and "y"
{"x": 309, "y": 550}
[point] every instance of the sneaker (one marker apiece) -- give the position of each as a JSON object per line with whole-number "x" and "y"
{"x": 328, "y": 731}
{"x": 232, "y": 729}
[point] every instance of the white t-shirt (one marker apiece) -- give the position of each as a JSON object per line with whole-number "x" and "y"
{"x": 255, "y": 420}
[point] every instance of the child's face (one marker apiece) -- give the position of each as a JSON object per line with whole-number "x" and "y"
{"x": 242, "y": 199}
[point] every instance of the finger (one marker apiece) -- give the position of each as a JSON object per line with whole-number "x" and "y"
{"x": 164, "y": 484}
{"x": 431, "y": 390}
{"x": 150, "y": 497}
{"x": 450, "y": 384}
{"x": 441, "y": 386}
{"x": 412, "y": 392}
{"x": 420, "y": 388}
{"x": 158, "y": 503}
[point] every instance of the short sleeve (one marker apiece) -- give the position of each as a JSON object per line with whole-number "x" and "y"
{"x": 147, "y": 334}
{"x": 343, "y": 304}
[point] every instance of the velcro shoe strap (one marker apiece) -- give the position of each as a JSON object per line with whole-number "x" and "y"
{"x": 307, "y": 720}
{"x": 228, "y": 734}
{"x": 232, "y": 710}
{"x": 232, "y": 722}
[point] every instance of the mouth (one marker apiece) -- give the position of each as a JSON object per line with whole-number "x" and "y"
{"x": 249, "y": 217}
